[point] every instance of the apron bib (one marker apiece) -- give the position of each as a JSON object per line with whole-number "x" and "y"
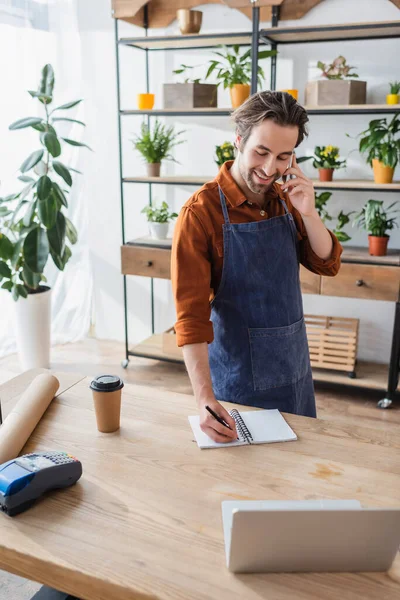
{"x": 260, "y": 356}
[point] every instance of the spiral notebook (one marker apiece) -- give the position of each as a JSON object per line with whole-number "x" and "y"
{"x": 253, "y": 427}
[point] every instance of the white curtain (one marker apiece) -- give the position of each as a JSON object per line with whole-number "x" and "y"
{"x": 32, "y": 34}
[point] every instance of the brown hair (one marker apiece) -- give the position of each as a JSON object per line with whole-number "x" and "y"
{"x": 281, "y": 107}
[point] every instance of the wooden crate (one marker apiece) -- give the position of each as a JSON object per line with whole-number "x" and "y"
{"x": 332, "y": 342}
{"x": 328, "y": 92}
{"x": 190, "y": 95}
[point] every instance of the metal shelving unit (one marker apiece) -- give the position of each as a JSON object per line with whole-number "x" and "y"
{"x": 273, "y": 37}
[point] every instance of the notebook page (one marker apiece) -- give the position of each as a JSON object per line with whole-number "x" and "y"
{"x": 267, "y": 426}
{"x": 202, "y": 439}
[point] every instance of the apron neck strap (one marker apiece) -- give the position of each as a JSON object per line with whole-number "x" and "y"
{"x": 224, "y": 207}
{"x": 284, "y": 206}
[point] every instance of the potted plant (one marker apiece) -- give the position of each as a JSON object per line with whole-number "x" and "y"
{"x": 393, "y": 97}
{"x": 189, "y": 93}
{"x": 158, "y": 219}
{"x": 381, "y": 142}
{"x": 326, "y": 160}
{"x": 337, "y": 86}
{"x": 343, "y": 219}
{"x": 156, "y": 145}
{"x": 377, "y": 220}
{"x": 233, "y": 70}
{"x": 34, "y": 226}
{"x": 224, "y": 152}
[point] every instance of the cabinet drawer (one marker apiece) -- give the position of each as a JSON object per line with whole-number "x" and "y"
{"x": 310, "y": 282}
{"x": 148, "y": 262}
{"x": 363, "y": 281}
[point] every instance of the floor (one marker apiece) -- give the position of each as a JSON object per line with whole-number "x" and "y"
{"x": 92, "y": 357}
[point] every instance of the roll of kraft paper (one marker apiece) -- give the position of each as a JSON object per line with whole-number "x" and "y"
{"x": 26, "y": 414}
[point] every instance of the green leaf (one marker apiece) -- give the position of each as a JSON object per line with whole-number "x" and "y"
{"x": 15, "y": 293}
{"x": 17, "y": 252}
{"x": 36, "y": 249}
{"x": 7, "y": 285}
{"x": 44, "y": 99}
{"x": 70, "y": 120}
{"x": 27, "y": 220}
{"x": 47, "y": 211}
{"x": 5, "y": 270}
{"x": 26, "y": 178}
{"x": 62, "y": 171}
{"x": 267, "y": 54}
{"x": 31, "y": 279}
{"x": 66, "y": 106}
{"x": 46, "y": 85}
{"x": 6, "y": 247}
{"x": 21, "y": 290}
{"x": 56, "y": 235}
{"x": 71, "y": 231}
{"x": 32, "y": 160}
{"x": 61, "y": 261}
{"x": 26, "y": 122}
{"x": 75, "y": 170}
{"x": 52, "y": 144}
{"x": 44, "y": 187}
{"x": 4, "y": 212}
{"x": 59, "y": 194}
{"x": 74, "y": 143}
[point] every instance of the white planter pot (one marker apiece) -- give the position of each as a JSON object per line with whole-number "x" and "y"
{"x": 33, "y": 330}
{"x": 159, "y": 231}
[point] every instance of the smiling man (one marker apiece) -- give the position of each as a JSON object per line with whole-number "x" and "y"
{"x": 242, "y": 236}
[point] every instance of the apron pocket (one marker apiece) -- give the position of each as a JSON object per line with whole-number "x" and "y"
{"x": 279, "y": 355}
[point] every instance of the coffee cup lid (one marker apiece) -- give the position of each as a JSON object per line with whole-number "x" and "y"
{"x": 106, "y": 383}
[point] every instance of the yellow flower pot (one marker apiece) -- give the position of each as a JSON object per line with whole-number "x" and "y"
{"x": 294, "y": 93}
{"x": 382, "y": 173}
{"x": 239, "y": 93}
{"x": 145, "y": 101}
{"x": 392, "y": 99}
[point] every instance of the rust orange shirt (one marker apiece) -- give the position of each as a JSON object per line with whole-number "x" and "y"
{"x": 197, "y": 250}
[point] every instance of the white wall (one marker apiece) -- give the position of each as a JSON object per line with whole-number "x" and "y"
{"x": 377, "y": 62}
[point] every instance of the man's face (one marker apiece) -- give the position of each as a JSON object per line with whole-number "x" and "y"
{"x": 266, "y": 154}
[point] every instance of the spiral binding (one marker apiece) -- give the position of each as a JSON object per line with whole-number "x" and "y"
{"x": 241, "y": 426}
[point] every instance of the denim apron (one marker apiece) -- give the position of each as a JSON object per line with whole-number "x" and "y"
{"x": 260, "y": 356}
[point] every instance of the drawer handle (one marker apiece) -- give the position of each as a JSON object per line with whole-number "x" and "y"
{"x": 359, "y": 282}
{"x": 150, "y": 263}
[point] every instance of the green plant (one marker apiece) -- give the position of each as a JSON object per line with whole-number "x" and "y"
{"x": 156, "y": 145}
{"x": 343, "y": 219}
{"x": 338, "y": 69}
{"x": 32, "y": 221}
{"x": 379, "y": 141}
{"x": 394, "y": 87}
{"x": 182, "y": 69}
{"x": 159, "y": 215}
{"x": 376, "y": 219}
{"x": 235, "y": 68}
{"x": 320, "y": 204}
{"x": 327, "y": 157}
{"x": 224, "y": 152}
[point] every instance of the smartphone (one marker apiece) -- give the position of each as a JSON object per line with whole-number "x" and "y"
{"x": 285, "y": 178}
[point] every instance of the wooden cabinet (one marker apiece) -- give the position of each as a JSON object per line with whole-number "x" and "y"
{"x": 369, "y": 282}
{"x": 146, "y": 261}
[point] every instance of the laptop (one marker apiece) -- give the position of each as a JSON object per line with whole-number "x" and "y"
{"x": 309, "y": 536}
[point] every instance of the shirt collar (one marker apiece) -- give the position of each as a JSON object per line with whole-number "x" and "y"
{"x": 232, "y": 191}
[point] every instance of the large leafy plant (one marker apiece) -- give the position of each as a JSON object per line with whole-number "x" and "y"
{"x": 33, "y": 224}
{"x": 381, "y": 140}
{"x": 343, "y": 219}
{"x": 376, "y": 219}
{"x": 233, "y": 68}
{"x": 156, "y": 145}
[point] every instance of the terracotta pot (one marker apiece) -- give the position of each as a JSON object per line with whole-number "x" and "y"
{"x": 378, "y": 245}
{"x": 153, "y": 169}
{"x": 239, "y": 94}
{"x": 189, "y": 21}
{"x": 382, "y": 173}
{"x": 325, "y": 174}
{"x": 392, "y": 99}
{"x": 145, "y": 101}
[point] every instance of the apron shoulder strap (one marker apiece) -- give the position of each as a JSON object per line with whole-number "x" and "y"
{"x": 224, "y": 207}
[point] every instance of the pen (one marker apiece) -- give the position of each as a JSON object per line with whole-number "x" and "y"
{"x": 218, "y": 418}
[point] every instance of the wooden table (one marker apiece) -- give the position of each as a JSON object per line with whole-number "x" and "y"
{"x": 144, "y": 521}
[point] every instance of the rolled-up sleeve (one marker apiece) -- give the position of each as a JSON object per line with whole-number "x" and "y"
{"x": 191, "y": 276}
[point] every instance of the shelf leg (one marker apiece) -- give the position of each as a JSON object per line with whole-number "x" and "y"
{"x": 254, "y": 47}
{"x": 394, "y": 365}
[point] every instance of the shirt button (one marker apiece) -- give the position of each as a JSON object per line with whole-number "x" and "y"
{"x": 263, "y": 213}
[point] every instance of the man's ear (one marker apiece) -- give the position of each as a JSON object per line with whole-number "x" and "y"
{"x": 238, "y": 140}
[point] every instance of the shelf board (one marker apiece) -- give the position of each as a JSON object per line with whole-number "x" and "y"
{"x": 361, "y": 185}
{"x": 330, "y": 33}
{"x": 369, "y": 375}
{"x": 350, "y": 109}
{"x": 188, "y": 42}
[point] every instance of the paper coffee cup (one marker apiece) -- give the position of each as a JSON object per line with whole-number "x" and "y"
{"x": 106, "y": 390}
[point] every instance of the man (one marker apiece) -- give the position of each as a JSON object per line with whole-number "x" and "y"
{"x": 243, "y": 235}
